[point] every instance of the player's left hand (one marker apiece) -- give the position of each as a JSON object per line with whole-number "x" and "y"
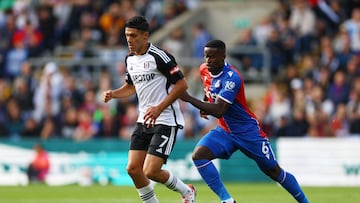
{"x": 151, "y": 115}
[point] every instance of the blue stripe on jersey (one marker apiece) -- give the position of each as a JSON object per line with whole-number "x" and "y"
{"x": 160, "y": 53}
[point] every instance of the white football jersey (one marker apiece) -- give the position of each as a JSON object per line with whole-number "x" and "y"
{"x": 154, "y": 74}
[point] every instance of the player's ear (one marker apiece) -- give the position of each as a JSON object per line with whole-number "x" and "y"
{"x": 146, "y": 35}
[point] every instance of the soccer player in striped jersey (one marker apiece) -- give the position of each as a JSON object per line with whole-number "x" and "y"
{"x": 155, "y": 77}
{"x": 238, "y": 128}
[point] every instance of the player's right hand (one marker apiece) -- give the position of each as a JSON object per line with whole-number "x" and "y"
{"x": 107, "y": 95}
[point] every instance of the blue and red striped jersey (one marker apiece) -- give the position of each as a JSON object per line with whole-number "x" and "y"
{"x": 229, "y": 86}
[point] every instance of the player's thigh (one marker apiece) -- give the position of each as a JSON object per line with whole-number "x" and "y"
{"x": 136, "y": 160}
{"x": 219, "y": 142}
{"x": 163, "y": 141}
{"x": 258, "y": 149}
{"x": 153, "y": 164}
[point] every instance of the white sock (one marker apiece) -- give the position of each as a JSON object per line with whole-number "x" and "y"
{"x": 177, "y": 185}
{"x": 147, "y": 194}
{"x": 231, "y": 200}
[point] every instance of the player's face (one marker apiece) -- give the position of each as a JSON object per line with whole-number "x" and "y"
{"x": 137, "y": 40}
{"x": 214, "y": 59}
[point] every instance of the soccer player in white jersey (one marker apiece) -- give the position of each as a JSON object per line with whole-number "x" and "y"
{"x": 154, "y": 76}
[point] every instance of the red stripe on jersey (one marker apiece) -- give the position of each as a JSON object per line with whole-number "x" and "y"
{"x": 241, "y": 99}
{"x": 174, "y": 70}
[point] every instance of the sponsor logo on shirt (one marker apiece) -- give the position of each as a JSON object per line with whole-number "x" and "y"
{"x": 142, "y": 77}
{"x": 229, "y": 85}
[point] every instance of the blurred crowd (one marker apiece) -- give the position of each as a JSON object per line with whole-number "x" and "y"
{"x": 315, "y": 50}
{"x": 314, "y": 46}
{"x": 65, "y": 102}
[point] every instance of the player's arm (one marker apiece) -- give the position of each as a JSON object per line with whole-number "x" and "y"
{"x": 179, "y": 88}
{"x": 124, "y": 91}
{"x": 217, "y": 109}
{"x": 153, "y": 112}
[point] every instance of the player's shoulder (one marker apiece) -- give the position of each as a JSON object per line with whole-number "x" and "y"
{"x": 160, "y": 53}
{"x": 231, "y": 73}
{"x": 203, "y": 69}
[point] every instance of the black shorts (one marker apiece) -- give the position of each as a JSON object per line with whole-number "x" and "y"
{"x": 158, "y": 140}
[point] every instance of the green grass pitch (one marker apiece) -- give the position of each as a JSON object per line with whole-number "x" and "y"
{"x": 242, "y": 192}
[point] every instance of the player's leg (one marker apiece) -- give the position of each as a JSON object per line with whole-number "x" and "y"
{"x": 287, "y": 181}
{"x": 260, "y": 150}
{"x": 213, "y": 145}
{"x": 161, "y": 146}
{"x": 136, "y": 158}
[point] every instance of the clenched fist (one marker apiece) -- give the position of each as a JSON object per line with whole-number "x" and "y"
{"x": 107, "y": 95}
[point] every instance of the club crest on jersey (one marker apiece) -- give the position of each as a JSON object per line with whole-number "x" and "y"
{"x": 217, "y": 84}
{"x": 146, "y": 65}
{"x": 174, "y": 70}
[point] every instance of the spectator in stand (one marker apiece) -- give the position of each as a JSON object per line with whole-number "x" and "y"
{"x": 302, "y": 20}
{"x": 86, "y": 128}
{"x": 6, "y": 32}
{"x": 296, "y": 126}
{"x": 342, "y": 47}
{"x": 14, "y": 57}
{"x": 88, "y": 29}
{"x": 28, "y": 74}
{"x": 24, "y": 96}
{"x": 47, "y": 26}
{"x": 318, "y": 112}
{"x": 31, "y": 37}
{"x": 276, "y": 49}
{"x": 14, "y": 122}
{"x": 330, "y": 14}
{"x": 323, "y": 79}
{"x": 47, "y": 96}
{"x": 200, "y": 37}
{"x": 353, "y": 108}
{"x": 73, "y": 20}
{"x": 49, "y": 128}
{"x": 90, "y": 104}
{"x": 252, "y": 62}
{"x": 280, "y": 107}
{"x": 39, "y": 166}
{"x": 69, "y": 123}
{"x": 262, "y": 31}
{"x": 352, "y": 69}
{"x": 107, "y": 122}
{"x": 71, "y": 93}
{"x": 31, "y": 129}
{"x": 339, "y": 123}
{"x": 175, "y": 44}
{"x": 339, "y": 89}
{"x": 128, "y": 121}
{"x": 353, "y": 30}
{"x": 328, "y": 56}
{"x": 288, "y": 38}
{"x": 112, "y": 22}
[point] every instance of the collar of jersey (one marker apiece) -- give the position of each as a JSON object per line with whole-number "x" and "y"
{"x": 219, "y": 74}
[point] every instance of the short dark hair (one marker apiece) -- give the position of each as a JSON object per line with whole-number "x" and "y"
{"x": 138, "y": 22}
{"x": 216, "y": 43}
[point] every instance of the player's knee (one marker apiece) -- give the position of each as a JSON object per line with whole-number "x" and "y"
{"x": 273, "y": 173}
{"x": 201, "y": 152}
{"x": 151, "y": 173}
{"x": 133, "y": 170}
